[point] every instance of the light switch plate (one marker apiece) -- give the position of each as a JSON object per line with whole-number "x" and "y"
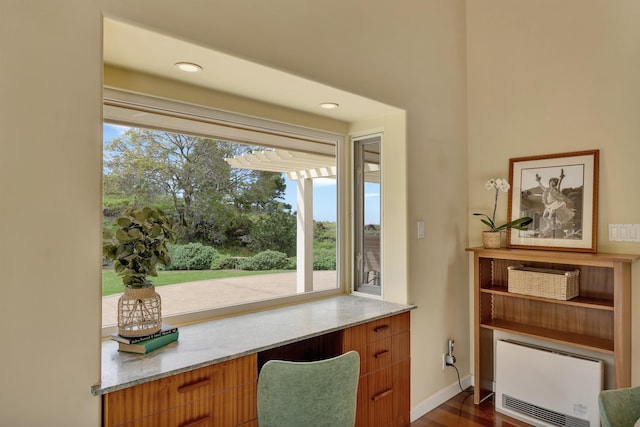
{"x": 624, "y": 232}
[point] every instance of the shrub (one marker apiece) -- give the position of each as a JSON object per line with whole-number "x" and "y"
{"x": 224, "y": 262}
{"x": 192, "y": 256}
{"x": 292, "y": 263}
{"x": 266, "y": 260}
{"x": 324, "y": 259}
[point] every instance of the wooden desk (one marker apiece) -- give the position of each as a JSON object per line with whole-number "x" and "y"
{"x": 209, "y": 376}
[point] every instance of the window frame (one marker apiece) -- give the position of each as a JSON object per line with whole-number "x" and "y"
{"x": 143, "y": 111}
{"x": 358, "y": 182}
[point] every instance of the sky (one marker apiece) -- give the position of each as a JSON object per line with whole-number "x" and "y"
{"x": 324, "y": 190}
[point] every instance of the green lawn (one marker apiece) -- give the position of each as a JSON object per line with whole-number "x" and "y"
{"x": 112, "y": 284}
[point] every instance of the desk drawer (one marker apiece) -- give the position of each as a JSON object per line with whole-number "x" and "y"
{"x": 383, "y": 397}
{"x": 358, "y": 336}
{"x": 195, "y": 386}
{"x": 230, "y": 408}
{"x": 385, "y": 352}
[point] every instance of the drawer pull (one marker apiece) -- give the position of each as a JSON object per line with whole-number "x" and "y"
{"x": 380, "y": 328}
{"x": 198, "y": 422}
{"x": 382, "y": 395}
{"x": 379, "y": 354}
{"x": 189, "y": 387}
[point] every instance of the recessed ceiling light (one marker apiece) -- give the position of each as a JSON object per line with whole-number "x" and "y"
{"x": 329, "y": 105}
{"x": 188, "y": 67}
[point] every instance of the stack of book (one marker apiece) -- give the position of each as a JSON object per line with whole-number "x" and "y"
{"x": 143, "y": 345}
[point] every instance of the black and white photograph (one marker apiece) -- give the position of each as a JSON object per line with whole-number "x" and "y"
{"x": 559, "y": 191}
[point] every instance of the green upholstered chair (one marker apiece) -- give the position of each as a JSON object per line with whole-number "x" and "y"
{"x": 309, "y": 394}
{"x": 619, "y": 407}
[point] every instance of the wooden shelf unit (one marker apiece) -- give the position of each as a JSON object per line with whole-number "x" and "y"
{"x": 599, "y": 319}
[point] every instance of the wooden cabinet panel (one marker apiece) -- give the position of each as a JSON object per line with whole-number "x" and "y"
{"x": 377, "y": 355}
{"x": 229, "y": 408}
{"x": 236, "y": 407}
{"x": 197, "y": 413}
{"x": 402, "y": 393}
{"x": 383, "y": 390}
{"x": 383, "y": 397}
{"x": 400, "y": 323}
{"x": 378, "y": 342}
{"x": 136, "y": 402}
{"x": 384, "y": 352}
{"x": 379, "y": 395}
{"x": 189, "y": 397}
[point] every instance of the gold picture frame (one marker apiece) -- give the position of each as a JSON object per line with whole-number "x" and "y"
{"x": 560, "y": 193}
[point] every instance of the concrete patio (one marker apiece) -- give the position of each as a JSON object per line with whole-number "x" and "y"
{"x": 195, "y": 296}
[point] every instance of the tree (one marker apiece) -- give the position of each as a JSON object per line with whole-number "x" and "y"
{"x": 275, "y": 230}
{"x": 212, "y": 202}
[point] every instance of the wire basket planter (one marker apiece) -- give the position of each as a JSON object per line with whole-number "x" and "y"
{"x": 139, "y": 312}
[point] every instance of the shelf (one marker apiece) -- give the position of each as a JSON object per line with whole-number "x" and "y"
{"x": 561, "y": 257}
{"x": 578, "y": 340}
{"x": 594, "y": 303}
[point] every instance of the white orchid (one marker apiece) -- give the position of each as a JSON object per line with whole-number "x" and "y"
{"x": 501, "y": 184}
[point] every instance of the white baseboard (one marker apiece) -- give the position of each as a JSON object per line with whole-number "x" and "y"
{"x": 439, "y": 398}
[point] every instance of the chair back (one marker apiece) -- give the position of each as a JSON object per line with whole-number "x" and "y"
{"x": 318, "y": 394}
{"x": 619, "y": 407}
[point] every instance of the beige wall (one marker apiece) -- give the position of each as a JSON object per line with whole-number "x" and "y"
{"x": 50, "y": 187}
{"x": 557, "y": 76}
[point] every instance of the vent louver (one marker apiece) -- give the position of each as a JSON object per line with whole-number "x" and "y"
{"x": 551, "y": 417}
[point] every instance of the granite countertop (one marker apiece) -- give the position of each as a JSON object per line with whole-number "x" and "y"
{"x": 215, "y": 341}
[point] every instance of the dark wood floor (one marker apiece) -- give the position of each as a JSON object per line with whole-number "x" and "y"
{"x": 460, "y": 411}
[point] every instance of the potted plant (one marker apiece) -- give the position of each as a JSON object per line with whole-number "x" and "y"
{"x": 491, "y": 238}
{"x": 137, "y": 246}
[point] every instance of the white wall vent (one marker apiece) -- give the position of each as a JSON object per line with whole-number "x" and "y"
{"x": 546, "y": 387}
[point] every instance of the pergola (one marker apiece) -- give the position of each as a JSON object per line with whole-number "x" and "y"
{"x": 302, "y": 168}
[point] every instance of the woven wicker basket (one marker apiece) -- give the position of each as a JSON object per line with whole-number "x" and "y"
{"x": 139, "y": 312}
{"x": 545, "y": 283}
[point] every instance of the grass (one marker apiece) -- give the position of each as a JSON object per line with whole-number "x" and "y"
{"x": 112, "y": 284}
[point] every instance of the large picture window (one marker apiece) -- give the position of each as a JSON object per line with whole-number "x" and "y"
{"x": 255, "y": 204}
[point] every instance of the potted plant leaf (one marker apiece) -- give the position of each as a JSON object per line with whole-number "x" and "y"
{"x": 137, "y": 246}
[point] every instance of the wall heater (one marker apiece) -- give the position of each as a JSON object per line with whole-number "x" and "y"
{"x": 546, "y": 387}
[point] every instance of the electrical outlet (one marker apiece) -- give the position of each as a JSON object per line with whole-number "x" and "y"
{"x": 447, "y": 360}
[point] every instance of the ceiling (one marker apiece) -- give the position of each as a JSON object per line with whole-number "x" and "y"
{"x": 142, "y": 50}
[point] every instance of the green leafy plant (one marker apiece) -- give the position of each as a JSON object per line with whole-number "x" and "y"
{"x": 139, "y": 244}
{"x": 324, "y": 259}
{"x": 192, "y": 256}
{"x": 224, "y": 262}
{"x": 265, "y": 260}
{"x": 497, "y": 185}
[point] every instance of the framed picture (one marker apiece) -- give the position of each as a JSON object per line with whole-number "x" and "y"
{"x": 560, "y": 193}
